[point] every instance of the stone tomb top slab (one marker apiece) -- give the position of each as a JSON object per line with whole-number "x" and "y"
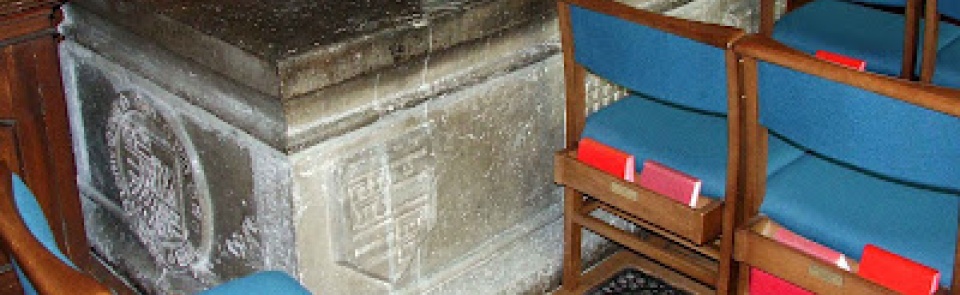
{"x": 289, "y": 48}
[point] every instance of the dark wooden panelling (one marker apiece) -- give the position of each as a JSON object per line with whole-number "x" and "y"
{"x": 34, "y": 133}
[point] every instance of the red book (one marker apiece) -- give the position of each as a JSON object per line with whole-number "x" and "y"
{"x": 897, "y": 272}
{"x": 843, "y": 60}
{"x": 762, "y": 283}
{"x": 606, "y": 159}
{"x": 812, "y": 248}
{"x": 669, "y": 182}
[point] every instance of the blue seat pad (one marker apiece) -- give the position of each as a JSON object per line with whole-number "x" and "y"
{"x": 265, "y": 282}
{"x": 690, "y": 141}
{"x": 948, "y": 65}
{"x": 851, "y": 29}
{"x": 845, "y": 209}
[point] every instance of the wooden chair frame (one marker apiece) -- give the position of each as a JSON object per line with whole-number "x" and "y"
{"x": 684, "y": 237}
{"x": 46, "y": 272}
{"x": 753, "y": 248}
{"x": 910, "y": 35}
{"x": 930, "y": 32}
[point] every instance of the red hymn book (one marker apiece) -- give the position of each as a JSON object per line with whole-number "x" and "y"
{"x": 762, "y": 283}
{"x": 606, "y": 159}
{"x": 842, "y": 60}
{"x": 670, "y": 182}
{"x": 897, "y": 272}
{"x": 821, "y": 252}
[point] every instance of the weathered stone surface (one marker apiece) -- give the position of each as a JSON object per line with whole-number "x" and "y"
{"x": 286, "y": 49}
{"x": 190, "y": 201}
{"x": 453, "y": 175}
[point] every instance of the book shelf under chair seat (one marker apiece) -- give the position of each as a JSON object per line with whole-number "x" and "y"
{"x": 757, "y": 250}
{"x": 879, "y": 168}
{"x": 690, "y": 140}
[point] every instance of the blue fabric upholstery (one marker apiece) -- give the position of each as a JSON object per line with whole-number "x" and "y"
{"x": 36, "y": 222}
{"x": 888, "y": 3}
{"x": 650, "y": 61}
{"x": 265, "y": 282}
{"x": 948, "y": 66}
{"x": 950, "y": 8}
{"x": 862, "y": 128}
{"x": 850, "y": 29}
{"x": 845, "y": 209}
{"x": 689, "y": 141}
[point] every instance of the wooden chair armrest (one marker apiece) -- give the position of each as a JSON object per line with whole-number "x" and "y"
{"x": 46, "y": 272}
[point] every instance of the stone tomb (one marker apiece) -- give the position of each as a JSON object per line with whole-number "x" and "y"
{"x": 366, "y": 147}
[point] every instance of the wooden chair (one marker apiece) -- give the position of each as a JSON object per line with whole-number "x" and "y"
{"x": 881, "y": 32}
{"x": 44, "y": 269}
{"x": 682, "y": 112}
{"x": 879, "y": 167}
{"x": 941, "y": 60}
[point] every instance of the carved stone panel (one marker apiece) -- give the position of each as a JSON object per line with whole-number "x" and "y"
{"x": 163, "y": 190}
{"x": 175, "y": 198}
{"x": 388, "y": 202}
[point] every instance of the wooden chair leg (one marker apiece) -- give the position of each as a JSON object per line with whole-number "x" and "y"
{"x": 910, "y": 39}
{"x": 955, "y": 285}
{"x": 928, "y": 59}
{"x": 572, "y": 240}
{"x": 767, "y": 16}
{"x": 743, "y": 279}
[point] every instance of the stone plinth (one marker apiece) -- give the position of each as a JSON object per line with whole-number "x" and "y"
{"x": 366, "y": 147}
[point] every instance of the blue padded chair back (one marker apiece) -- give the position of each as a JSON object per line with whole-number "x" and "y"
{"x": 949, "y": 8}
{"x": 888, "y": 3}
{"x": 36, "y": 222}
{"x": 861, "y": 128}
{"x": 649, "y": 61}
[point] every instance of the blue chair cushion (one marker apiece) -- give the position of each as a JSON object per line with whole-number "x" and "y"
{"x": 851, "y": 29}
{"x": 841, "y": 122}
{"x": 845, "y": 209}
{"x": 265, "y": 282}
{"x": 687, "y": 140}
{"x": 948, "y": 65}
